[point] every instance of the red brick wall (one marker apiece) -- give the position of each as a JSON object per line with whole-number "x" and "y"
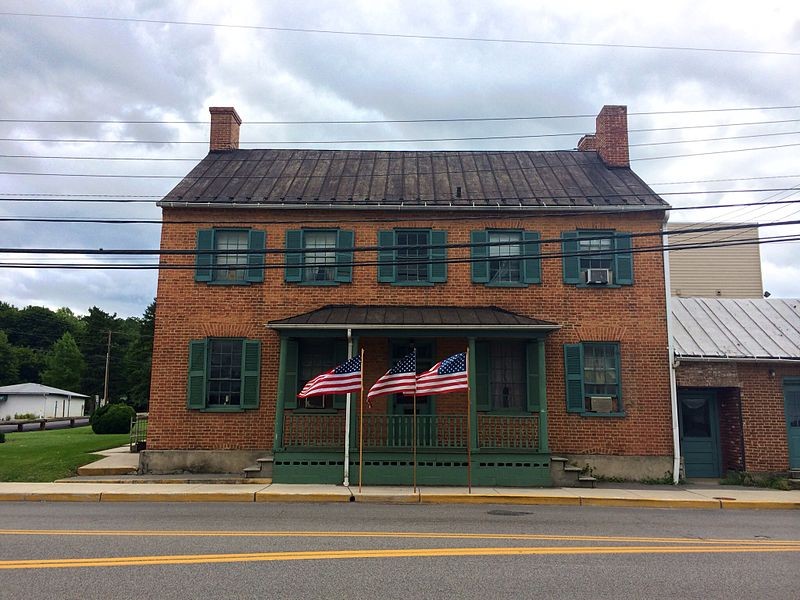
{"x": 763, "y": 418}
{"x": 633, "y": 315}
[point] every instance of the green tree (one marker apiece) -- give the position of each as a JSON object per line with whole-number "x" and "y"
{"x": 9, "y": 366}
{"x": 95, "y": 346}
{"x": 139, "y": 360}
{"x": 65, "y": 365}
{"x": 31, "y": 363}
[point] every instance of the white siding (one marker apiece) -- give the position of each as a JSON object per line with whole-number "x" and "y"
{"x": 41, "y": 406}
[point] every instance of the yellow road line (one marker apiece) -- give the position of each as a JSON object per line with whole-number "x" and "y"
{"x": 387, "y": 534}
{"x": 138, "y": 561}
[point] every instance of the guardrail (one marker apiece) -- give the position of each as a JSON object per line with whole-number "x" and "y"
{"x": 139, "y": 432}
{"x": 19, "y": 423}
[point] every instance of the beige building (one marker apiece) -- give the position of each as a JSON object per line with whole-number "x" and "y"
{"x": 729, "y": 268}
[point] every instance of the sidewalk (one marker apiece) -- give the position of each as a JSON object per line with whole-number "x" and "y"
{"x": 111, "y": 480}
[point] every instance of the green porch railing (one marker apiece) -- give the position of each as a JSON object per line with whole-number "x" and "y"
{"x": 138, "y": 432}
{"x": 518, "y": 432}
{"x": 313, "y": 431}
{"x": 441, "y": 432}
{"x": 433, "y": 431}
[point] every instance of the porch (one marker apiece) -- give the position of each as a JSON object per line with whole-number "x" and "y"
{"x": 504, "y": 423}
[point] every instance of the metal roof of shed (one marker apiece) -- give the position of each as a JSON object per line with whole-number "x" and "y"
{"x": 734, "y": 329}
{"x": 37, "y": 389}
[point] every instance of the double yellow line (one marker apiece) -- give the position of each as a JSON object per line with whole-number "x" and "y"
{"x": 654, "y": 545}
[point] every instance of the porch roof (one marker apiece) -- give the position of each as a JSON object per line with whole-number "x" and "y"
{"x": 346, "y": 316}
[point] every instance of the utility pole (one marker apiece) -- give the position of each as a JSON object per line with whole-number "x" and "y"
{"x": 108, "y": 360}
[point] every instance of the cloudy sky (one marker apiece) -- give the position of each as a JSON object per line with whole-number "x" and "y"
{"x": 659, "y": 58}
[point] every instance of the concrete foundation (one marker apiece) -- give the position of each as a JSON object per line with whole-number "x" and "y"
{"x": 629, "y": 468}
{"x": 162, "y": 462}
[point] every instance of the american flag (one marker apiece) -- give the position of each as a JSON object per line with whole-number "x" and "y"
{"x": 401, "y": 378}
{"x": 339, "y": 380}
{"x": 449, "y": 375}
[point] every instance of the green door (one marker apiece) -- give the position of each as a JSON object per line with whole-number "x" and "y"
{"x": 791, "y": 399}
{"x": 401, "y": 408}
{"x": 699, "y": 432}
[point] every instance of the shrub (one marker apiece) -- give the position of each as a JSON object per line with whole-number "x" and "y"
{"x": 26, "y": 416}
{"x": 99, "y": 413}
{"x": 116, "y": 418}
{"x": 2, "y": 438}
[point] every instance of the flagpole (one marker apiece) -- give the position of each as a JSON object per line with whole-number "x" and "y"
{"x": 414, "y": 442}
{"x": 469, "y": 429}
{"x": 361, "y": 428}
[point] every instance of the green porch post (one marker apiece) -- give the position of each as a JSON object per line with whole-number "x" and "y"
{"x": 473, "y": 396}
{"x": 354, "y": 408}
{"x": 278, "y": 445}
{"x": 543, "y": 441}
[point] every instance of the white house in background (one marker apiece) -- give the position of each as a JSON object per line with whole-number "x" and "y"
{"x": 41, "y": 400}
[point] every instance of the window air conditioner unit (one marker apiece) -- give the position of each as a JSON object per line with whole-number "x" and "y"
{"x": 601, "y": 404}
{"x": 598, "y": 276}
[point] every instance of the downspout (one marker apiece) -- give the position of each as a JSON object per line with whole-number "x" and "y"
{"x": 346, "y": 482}
{"x": 673, "y": 387}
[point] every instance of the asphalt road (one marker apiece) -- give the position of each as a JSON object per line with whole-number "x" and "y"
{"x": 79, "y": 422}
{"x": 165, "y": 551}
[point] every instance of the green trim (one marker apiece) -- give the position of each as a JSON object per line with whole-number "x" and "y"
{"x": 279, "y": 405}
{"x": 315, "y": 411}
{"x": 507, "y": 284}
{"x": 318, "y": 283}
{"x": 223, "y": 409}
{"x": 413, "y": 283}
{"x": 473, "y": 395}
{"x": 544, "y": 444}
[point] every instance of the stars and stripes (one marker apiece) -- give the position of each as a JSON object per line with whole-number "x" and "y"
{"x": 339, "y": 380}
{"x": 448, "y": 375}
{"x": 400, "y": 379}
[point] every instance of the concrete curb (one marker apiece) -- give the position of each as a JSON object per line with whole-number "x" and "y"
{"x": 290, "y": 497}
{"x": 497, "y": 499}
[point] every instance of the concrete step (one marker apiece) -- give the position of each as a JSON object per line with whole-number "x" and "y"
{"x": 572, "y": 469}
{"x": 250, "y": 472}
{"x": 587, "y": 481}
{"x": 558, "y": 459}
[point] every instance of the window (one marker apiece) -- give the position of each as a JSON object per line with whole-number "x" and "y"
{"x": 412, "y": 256}
{"x": 315, "y": 357}
{"x": 304, "y": 359}
{"x": 592, "y": 378}
{"x": 233, "y": 256}
{"x": 223, "y": 374}
{"x": 597, "y": 249}
{"x": 324, "y": 256}
{"x": 505, "y": 258}
{"x": 507, "y": 375}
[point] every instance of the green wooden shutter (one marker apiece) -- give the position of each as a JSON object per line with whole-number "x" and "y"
{"x": 294, "y": 260}
{"x": 204, "y": 262}
{"x": 573, "y": 369}
{"x": 623, "y": 269}
{"x": 437, "y": 270}
{"x": 344, "y": 256}
{"x": 532, "y": 361}
{"x": 617, "y": 361}
{"x": 339, "y": 356}
{"x": 482, "y": 358}
{"x": 571, "y": 264}
{"x": 289, "y": 374}
{"x": 196, "y": 389}
{"x": 256, "y": 242}
{"x": 387, "y": 268}
{"x": 531, "y": 267}
{"x": 479, "y": 254}
{"x": 251, "y": 363}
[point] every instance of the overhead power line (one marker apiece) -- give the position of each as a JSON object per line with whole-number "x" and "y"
{"x": 410, "y": 36}
{"x": 283, "y": 265}
{"x": 430, "y": 120}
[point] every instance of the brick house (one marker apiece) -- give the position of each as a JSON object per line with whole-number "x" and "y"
{"x": 738, "y": 377}
{"x": 278, "y": 263}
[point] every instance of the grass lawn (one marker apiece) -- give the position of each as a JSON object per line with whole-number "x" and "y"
{"x": 54, "y": 454}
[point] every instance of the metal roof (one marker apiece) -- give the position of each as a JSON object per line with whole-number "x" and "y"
{"x": 434, "y": 179}
{"x": 750, "y": 329}
{"x": 411, "y": 317}
{"x": 37, "y": 389}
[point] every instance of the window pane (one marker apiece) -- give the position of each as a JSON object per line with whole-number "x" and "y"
{"x": 596, "y": 260}
{"x": 600, "y": 370}
{"x": 225, "y": 372}
{"x": 233, "y": 266}
{"x": 412, "y": 260}
{"x": 320, "y": 265}
{"x": 502, "y": 269}
{"x": 507, "y": 377}
{"x": 315, "y": 358}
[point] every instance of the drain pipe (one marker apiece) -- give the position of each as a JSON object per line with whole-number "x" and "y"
{"x": 348, "y": 405}
{"x": 673, "y": 387}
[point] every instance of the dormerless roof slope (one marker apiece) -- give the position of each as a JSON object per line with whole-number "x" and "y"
{"x": 365, "y": 178}
{"x": 751, "y": 329}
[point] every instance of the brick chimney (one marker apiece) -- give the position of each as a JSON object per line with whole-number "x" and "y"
{"x": 610, "y": 139}
{"x": 224, "y": 128}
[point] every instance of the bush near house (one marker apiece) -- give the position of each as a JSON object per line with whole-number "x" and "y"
{"x": 112, "y": 418}
{"x": 2, "y": 438}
